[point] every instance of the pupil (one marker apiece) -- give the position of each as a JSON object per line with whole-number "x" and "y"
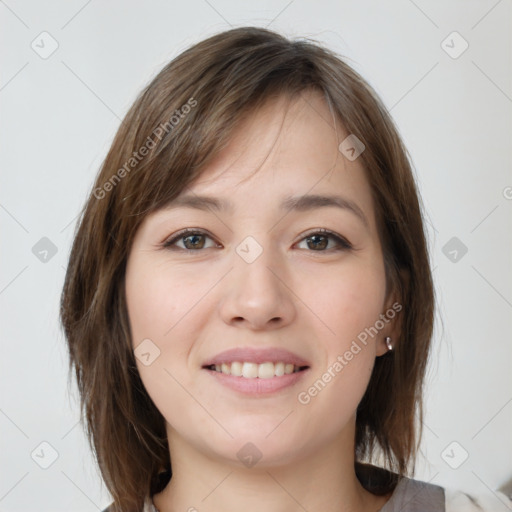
{"x": 314, "y": 242}
{"x": 323, "y": 243}
{"x": 194, "y": 244}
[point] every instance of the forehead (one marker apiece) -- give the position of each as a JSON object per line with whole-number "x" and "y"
{"x": 287, "y": 147}
{"x": 281, "y": 128}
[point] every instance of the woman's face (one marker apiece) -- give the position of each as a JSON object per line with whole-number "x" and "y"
{"x": 257, "y": 286}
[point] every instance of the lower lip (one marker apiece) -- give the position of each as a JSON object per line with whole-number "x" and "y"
{"x": 258, "y": 386}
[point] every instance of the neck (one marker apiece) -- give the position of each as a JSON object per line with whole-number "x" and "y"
{"x": 322, "y": 480}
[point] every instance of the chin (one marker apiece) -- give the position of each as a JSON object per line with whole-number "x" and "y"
{"x": 260, "y": 453}
{"x": 267, "y": 446}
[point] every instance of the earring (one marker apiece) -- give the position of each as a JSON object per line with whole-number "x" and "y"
{"x": 387, "y": 340}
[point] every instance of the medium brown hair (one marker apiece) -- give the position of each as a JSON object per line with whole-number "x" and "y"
{"x": 183, "y": 118}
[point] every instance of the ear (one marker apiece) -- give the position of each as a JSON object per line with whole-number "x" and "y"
{"x": 392, "y": 315}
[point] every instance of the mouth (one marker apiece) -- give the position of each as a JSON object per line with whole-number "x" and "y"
{"x": 250, "y": 370}
{"x": 257, "y": 371}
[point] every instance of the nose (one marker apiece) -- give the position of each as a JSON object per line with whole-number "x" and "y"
{"x": 257, "y": 295}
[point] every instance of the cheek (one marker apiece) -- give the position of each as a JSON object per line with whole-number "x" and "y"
{"x": 332, "y": 398}
{"x": 348, "y": 304}
{"x": 163, "y": 309}
{"x": 157, "y": 301}
{"x": 347, "y": 301}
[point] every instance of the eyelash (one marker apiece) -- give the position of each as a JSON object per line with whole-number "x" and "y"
{"x": 343, "y": 244}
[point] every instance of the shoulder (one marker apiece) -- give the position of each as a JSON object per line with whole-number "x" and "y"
{"x": 411, "y": 495}
{"x": 458, "y": 501}
{"x": 416, "y": 496}
{"x": 408, "y": 495}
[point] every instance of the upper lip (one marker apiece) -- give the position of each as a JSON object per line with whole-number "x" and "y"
{"x": 258, "y": 356}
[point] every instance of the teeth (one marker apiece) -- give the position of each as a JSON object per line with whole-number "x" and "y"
{"x": 236, "y": 369}
{"x": 266, "y": 371}
{"x": 253, "y": 370}
{"x": 250, "y": 370}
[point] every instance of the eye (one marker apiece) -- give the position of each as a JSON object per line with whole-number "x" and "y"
{"x": 319, "y": 241}
{"x": 192, "y": 240}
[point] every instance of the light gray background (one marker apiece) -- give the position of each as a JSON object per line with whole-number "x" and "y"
{"x": 59, "y": 115}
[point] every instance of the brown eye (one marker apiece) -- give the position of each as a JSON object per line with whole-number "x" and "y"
{"x": 317, "y": 242}
{"x": 323, "y": 240}
{"x": 193, "y": 241}
{"x": 190, "y": 240}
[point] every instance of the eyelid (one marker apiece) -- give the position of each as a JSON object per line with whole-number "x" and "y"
{"x": 175, "y": 237}
{"x": 342, "y": 242}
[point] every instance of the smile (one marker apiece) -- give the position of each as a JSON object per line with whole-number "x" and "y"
{"x": 251, "y": 370}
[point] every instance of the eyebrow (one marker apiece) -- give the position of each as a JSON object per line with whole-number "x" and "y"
{"x": 290, "y": 203}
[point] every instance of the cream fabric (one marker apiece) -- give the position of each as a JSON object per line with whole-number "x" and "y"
{"x": 457, "y": 501}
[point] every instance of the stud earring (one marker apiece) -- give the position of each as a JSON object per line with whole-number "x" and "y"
{"x": 387, "y": 340}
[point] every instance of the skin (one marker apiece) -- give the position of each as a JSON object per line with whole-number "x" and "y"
{"x": 314, "y": 302}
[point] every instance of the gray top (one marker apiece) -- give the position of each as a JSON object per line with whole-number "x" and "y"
{"x": 415, "y": 496}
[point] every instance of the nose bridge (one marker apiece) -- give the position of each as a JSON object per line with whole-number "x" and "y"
{"x": 255, "y": 293}
{"x": 253, "y": 261}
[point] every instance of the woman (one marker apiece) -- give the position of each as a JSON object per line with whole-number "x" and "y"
{"x": 249, "y": 303}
